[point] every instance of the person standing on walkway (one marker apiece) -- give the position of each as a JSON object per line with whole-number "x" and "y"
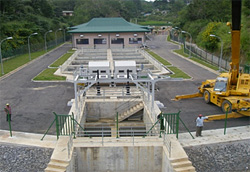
{"x": 199, "y": 125}
{"x": 7, "y": 110}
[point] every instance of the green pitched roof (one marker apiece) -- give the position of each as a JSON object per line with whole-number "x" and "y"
{"x": 108, "y": 25}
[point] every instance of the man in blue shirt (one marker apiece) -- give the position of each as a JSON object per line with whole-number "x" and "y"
{"x": 199, "y": 125}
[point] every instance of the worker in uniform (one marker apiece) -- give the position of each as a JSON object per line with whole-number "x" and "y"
{"x": 7, "y": 110}
{"x": 199, "y": 125}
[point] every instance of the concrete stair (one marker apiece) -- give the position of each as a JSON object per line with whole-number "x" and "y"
{"x": 56, "y": 166}
{"x": 130, "y": 111}
{"x": 182, "y": 165}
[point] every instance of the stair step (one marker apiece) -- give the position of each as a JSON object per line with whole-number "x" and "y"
{"x": 185, "y": 169}
{"x": 51, "y": 169}
{"x": 59, "y": 165}
{"x": 181, "y": 164}
{"x": 178, "y": 160}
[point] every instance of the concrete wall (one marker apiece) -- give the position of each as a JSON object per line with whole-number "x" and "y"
{"x": 143, "y": 158}
{"x": 108, "y": 36}
{"x": 166, "y": 164}
{"x": 97, "y": 110}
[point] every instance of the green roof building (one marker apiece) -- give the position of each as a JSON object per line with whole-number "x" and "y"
{"x": 108, "y": 33}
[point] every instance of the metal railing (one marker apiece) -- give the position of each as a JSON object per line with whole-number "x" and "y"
{"x": 167, "y": 143}
{"x": 152, "y": 60}
{"x": 70, "y": 59}
{"x": 113, "y": 93}
{"x": 70, "y": 143}
{"x": 127, "y": 105}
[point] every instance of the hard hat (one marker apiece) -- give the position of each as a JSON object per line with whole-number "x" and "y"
{"x": 200, "y": 115}
{"x": 7, "y": 104}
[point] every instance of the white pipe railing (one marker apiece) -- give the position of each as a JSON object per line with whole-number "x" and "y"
{"x": 65, "y": 64}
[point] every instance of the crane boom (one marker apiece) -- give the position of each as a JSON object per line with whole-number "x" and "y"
{"x": 235, "y": 33}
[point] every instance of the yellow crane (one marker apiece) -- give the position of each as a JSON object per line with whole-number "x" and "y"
{"x": 230, "y": 91}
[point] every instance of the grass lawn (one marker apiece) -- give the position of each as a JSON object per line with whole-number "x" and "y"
{"x": 159, "y": 58}
{"x": 15, "y": 62}
{"x": 48, "y": 75}
{"x": 178, "y": 72}
{"x": 62, "y": 59}
{"x": 155, "y": 23}
{"x": 196, "y": 59}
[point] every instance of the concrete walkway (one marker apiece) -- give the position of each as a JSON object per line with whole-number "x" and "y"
{"x": 215, "y": 136}
{"x": 28, "y": 139}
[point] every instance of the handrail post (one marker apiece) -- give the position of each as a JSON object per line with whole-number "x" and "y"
{"x": 57, "y": 126}
{"x": 8, "y": 117}
{"x": 73, "y": 125}
{"x": 186, "y": 128}
{"x": 117, "y": 127}
{"x": 177, "y": 124}
{"x": 225, "y": 126}
{"x": 48, "y": 129}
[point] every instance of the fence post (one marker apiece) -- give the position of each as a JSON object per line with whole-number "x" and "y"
{"x": 225, "y": 127}
{"x": 57, "y": 126}
{"x": 73, "y": 125}
{"x": 8, "y": 117}
{"x": 177, "y": 125}
{"x": 117, "y": 128}
{"x": 212, "y": 62}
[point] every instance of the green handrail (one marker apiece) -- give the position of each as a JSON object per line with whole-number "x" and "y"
{"x": 48, "y": 129}
{"x": 117, "y": 127}
{"x": 186, "y": 128}
{"x": 225, "y": 127}
{"x": 80, "y": 126}
{"x": 151, "y": 128}
{"x": 9, "y": 120}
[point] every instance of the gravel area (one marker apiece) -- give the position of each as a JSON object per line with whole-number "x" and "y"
{"x": 223, "y": 157}
{"x": 16, "y": 158}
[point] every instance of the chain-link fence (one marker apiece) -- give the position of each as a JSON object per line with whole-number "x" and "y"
{"x": 11, "y": 53}
{"x": 200, "y": 53}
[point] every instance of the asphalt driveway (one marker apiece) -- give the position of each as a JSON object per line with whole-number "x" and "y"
{"x": 190, "y": 108}
{"x": 32, "y": 103}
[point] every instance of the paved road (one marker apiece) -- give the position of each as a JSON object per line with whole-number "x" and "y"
{"x": 190, "y": 108}
{"x": 32, "y": 103}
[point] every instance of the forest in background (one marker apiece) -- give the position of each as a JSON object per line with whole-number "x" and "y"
{"x": 20, "y": 18}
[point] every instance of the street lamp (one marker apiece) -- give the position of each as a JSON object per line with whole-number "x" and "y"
{"x": 1, "y": 52}
{"x": 45, "y": 40}
{"x": 56, "y": 35}
{"x": 64, "y": 33}
{"x": 189, "y": 43}
{"x": 177, "y": 28}
{"x": 221, "y": 49}
{"x": 29, "y": 43}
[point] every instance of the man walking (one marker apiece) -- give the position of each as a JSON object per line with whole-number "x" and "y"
{"x": 7, "y": 110}
{"x": 199, "y": 125}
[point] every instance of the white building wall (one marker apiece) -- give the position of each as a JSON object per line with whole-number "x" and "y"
{"x": 109, "y": 37}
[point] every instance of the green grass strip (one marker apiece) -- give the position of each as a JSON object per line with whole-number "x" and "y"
{"x": 156, "y": 23}
{"x": 48, "y": 75}
{"x": 178, "y": 73}
{"x": 204, "y": 63}
{"x": 195, "y": 58}
{"x": 159, "y": 58}
{"x": 17, "y": 61}
{"x": 61, "y": 60}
